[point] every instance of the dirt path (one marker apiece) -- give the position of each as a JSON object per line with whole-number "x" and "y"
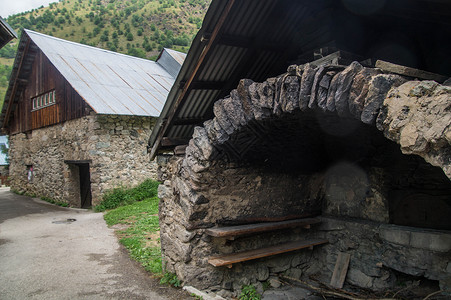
{"x": 48, "y": 252}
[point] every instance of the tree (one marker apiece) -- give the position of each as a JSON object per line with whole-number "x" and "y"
{"x": 136, "y": 52}
{"x": 4, "y": 149}
{"x": 130, "y": 36}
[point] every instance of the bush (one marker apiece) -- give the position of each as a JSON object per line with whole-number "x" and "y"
{"x": 170, "y": 279}
{"x": 123, "y": 196}
{"x": 248, "y": 292}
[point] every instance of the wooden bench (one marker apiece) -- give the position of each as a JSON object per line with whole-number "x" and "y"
{"x": 229, "y": 259}
{"x": 231, "y": 232}
{"x": 234, "y": 231}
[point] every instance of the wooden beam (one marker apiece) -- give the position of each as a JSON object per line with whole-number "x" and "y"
{"x": 180, "y": 150}
{"x": 78, "y": 162}
{"x": 229, "y": 259}
{"x": 233, "y": 231}
{"x": 340, "y": 270}
{"x": 186, "y": 88}
{"x": 16, "y": 84}
{"x": 407, "y": 71}
{"x": 188, "y": 121}
{"x": 172, "y": 142}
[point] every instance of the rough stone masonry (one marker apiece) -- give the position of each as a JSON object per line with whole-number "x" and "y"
{"x": 209, "y": 186}
{"x": 115, "y": 145}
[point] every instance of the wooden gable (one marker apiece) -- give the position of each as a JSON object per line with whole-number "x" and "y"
{"x": 43, "y": 79}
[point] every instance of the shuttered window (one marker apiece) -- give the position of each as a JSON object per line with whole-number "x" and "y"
{"x": 43, "y": 100}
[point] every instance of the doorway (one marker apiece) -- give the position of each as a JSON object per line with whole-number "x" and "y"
{"x": 85, "y": 186}
{"x": 81, "y": 179}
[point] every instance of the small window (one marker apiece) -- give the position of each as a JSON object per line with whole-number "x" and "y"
{"x": 46, "y": 99}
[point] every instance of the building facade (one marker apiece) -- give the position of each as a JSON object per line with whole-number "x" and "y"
{"x": 78, "y": 118}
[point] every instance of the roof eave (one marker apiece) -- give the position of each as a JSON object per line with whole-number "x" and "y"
{"x": 190, "y": 66}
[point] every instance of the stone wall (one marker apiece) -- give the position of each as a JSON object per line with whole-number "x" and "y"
{"x": 238, "y": 169}
{"x": 115, "y": 145}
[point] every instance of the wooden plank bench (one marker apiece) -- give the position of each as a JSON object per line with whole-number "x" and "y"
{"x": 229, "y": 259}
{"x": 234, "y": 231}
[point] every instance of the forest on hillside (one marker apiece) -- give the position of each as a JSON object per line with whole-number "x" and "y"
{"x": 140, "y": 28}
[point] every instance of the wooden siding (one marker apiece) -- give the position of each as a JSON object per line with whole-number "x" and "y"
{"x": 45, "y": 77}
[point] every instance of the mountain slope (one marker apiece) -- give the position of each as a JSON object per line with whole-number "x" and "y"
{"x": 135, "y": 27}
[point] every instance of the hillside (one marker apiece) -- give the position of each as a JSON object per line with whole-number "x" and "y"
{"x": 135, "y": 27}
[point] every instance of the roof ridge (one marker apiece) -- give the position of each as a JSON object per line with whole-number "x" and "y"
{"x": 83, "y": 45}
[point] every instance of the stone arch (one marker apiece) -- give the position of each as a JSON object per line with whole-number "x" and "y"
{"x": 414, "y": 114}
{"x": 199, "y": 193}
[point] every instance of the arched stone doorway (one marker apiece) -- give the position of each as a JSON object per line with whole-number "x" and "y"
{"x": 329, "y": 141}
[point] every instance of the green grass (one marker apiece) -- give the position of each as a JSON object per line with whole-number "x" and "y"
{"x": 141, "y": 237}
{"x": 248, "y": 292}
{"x": 123, "y": 196}
{"x": 50, "y": 200}
{"x": 170, "y": 279}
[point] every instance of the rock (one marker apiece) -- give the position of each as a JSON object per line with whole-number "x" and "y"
{"x": 287, "y": 293}
{"x": 222, "y": 117}
{"x": 416, "y": 116}
{"x": 359, "y": 90}
{"x": 344, "y": 83}
{"x": 360, "y": 279}
{"x": 315, "y": 85}
{"x": 204, "y": 295}
{"x": 294, "y": 273}
{"x": 290, "y": 94}
{"x": 201, "y": 140}
{"x": 274, "y": 282}
{"x": 262, "y": 272}
{"x": 279, "y": 263}
{"x": 323, "y": 89}
{"x": 378, "y": 89}
{"x": 330, "y": 100}
{"x": 234, "y": 110}
{"x": 215, "y": 132}
{"x": 244, "y": 95}
{"x": 306, "y": 86}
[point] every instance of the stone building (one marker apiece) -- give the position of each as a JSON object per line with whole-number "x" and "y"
{"x": 78, "y": 118}
{"x": 309, "y": 144}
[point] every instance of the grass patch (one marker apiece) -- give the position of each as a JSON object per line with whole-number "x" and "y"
{"x": 170, "y": 279}
{"x": 141, "y": 237}
{"x": 50, "y": 200}
{"x": 123, "y": 196}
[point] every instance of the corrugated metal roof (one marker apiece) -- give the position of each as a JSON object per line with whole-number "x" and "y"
{"x": 257, "y": 39}
{"x": 110, "y": 82}
{"x": 6, "y": 33}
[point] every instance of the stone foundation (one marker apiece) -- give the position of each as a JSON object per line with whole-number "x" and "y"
{"x": 115, "y": 146}
{"x": 326, "y": 140}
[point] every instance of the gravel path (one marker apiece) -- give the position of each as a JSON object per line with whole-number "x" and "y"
{"x": 49, "y": 252}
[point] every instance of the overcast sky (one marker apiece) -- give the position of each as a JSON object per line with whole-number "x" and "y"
{"x": 10, "y": 7}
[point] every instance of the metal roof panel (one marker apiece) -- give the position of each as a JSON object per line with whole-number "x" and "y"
{"x": 95, "y": 73}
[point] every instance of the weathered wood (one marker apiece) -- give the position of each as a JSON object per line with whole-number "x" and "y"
{"x": 229, "y": 259}
{"x": 170, "y": 142}
{"x": 340, "y": 270}
{"x": 233, "y": 231}
{"x": 180, "y": 150}
{"x": 407, "y": 71}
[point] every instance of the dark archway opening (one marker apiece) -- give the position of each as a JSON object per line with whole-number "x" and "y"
{"x": 364, "y": 175}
